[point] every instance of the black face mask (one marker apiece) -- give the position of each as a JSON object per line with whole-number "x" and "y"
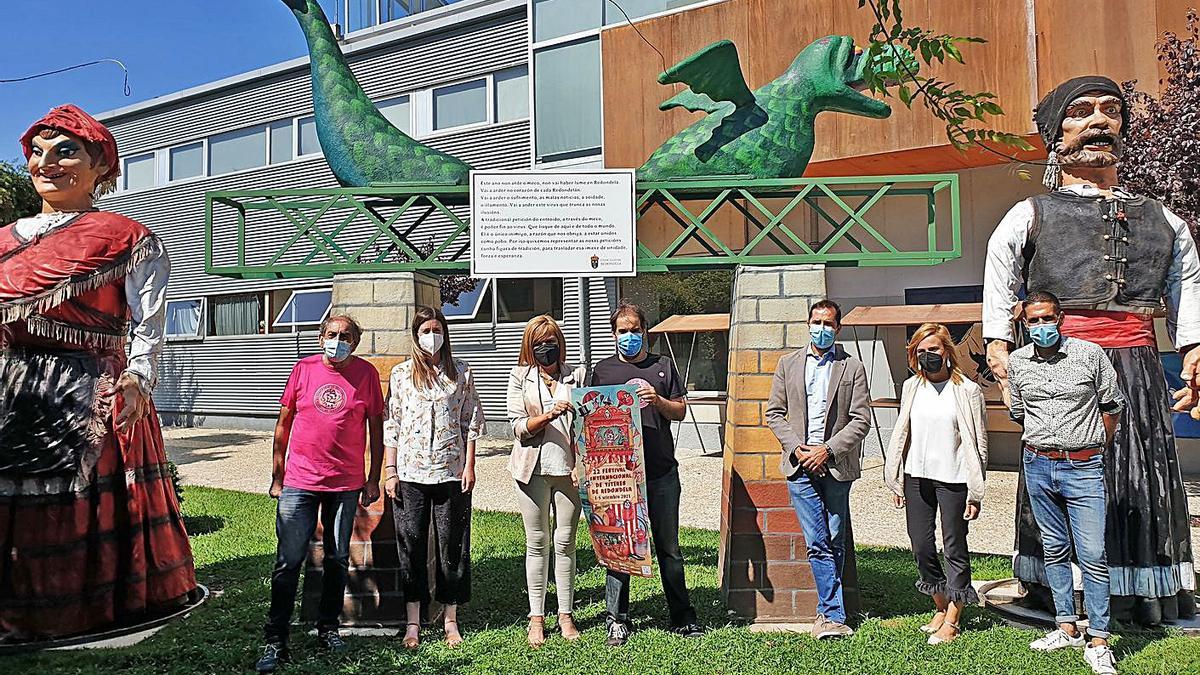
{"x": 930, "y": 362}
{"x": 547, "y": 353}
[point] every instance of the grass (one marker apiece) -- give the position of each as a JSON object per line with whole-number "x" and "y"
{"x": 233, "y": 557}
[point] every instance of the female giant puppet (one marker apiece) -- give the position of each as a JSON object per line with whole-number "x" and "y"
{"x": 1115, "y": 260}
{"x": 90, "y": 530}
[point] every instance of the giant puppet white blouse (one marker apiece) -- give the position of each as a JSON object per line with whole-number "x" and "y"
{"x": 1005, "y": 260}
{"x": 145, "y": 292}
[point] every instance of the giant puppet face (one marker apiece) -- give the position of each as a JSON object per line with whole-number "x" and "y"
{"x": 1091, "y": 131}
{"x": 64, "y": 170}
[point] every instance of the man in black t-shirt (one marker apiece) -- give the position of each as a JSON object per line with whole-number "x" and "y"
{"x": 662, "y": 396}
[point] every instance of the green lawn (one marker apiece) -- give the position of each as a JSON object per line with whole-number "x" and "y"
{"x": 234, "y": 560}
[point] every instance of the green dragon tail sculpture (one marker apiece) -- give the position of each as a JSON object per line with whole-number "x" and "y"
{"x": 767, "y": 133}
{"x": 361, "y": 146}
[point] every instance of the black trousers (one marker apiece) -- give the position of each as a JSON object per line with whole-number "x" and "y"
{"x": 662, "y": 502}
{"x": 450, "y": 509}
{"x": 923, "y": 499}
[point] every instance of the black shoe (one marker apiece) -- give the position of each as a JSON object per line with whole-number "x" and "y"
{"x": 688, "y": 630}
{"x": 330, "y": 641}
{"x": 618, "y": 634}
{"x": 274, "y": 655}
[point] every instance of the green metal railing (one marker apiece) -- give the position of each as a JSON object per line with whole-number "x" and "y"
{"x": 319, "y": 232}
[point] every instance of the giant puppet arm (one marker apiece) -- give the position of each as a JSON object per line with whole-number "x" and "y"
{"x": 145, "y": 292}
{"x": 1001, "y": 281}
{"x": 1183, "y": 313}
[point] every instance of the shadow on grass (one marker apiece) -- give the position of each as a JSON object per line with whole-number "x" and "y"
{"x": 202, "y": 524}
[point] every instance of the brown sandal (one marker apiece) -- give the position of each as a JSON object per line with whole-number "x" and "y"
{"x": 536, "y": 633}
{"x": 412, "y": 642}
{"x": 566, "y": 623}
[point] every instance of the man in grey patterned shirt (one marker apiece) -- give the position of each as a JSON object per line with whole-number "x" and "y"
{"x": 1064, "y": 392}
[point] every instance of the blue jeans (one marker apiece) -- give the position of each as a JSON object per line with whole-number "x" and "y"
{"x": 295, "y": 522}
{"x": 822, "y": 506}
{"x": 1068, "y": 503}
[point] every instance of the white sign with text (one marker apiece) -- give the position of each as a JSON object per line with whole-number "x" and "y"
{"x": 553, "y": 224}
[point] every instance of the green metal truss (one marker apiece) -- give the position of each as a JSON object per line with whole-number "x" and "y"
{"x": 320, "y": 232}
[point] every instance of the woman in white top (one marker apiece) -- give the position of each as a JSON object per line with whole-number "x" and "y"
{"x": 543, "y": 465}
{"x": 936, "y": 461}
{"x": 434, "y": 417}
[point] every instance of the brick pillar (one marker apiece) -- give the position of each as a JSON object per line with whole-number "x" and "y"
{"x": 383, "y": 304}
{"x": 765, "y": 574}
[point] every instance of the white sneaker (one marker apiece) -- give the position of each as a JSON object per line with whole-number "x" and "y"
{"x": 1057, "y": 640}
{"x": 1101, "y": 659}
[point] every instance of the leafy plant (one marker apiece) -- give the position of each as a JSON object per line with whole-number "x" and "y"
{"x": 892, "y": 54}
{"x": 18, "y": 199}
{"x": 1163, "y": 137}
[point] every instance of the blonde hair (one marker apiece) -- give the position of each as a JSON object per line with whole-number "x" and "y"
{"x": 538, "y": 329}
{"x": 424, "y": 374}
{"x": 935, "y": 330}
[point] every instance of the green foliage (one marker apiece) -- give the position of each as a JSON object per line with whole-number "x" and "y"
{"x": 964, "y": 113}
{"x": 18, "y": 199}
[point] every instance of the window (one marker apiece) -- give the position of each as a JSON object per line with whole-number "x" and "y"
{"x": 309, "y": 143}
{"x": 519, "y": 300}
{"x": 186, "y": 161}
{"x": 398, "y": 111}
{"x": 512, "y": 94}
{"x": 281, "y": 141}
{"x": 361, "y": 14}
{"x": 237, "y": 150}
{"x": 555, "y": 18}
{"x": 470, "y": 305}
{"x": 183, "y": 317}
{"x": 235, "y": 315}
{"x": 305, "y": 309}
{"x": 567, "y": 100}
{"x": 139, "y": 171}
{"x": 460, "y": 104}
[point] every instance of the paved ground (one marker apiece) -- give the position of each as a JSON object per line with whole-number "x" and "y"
{"x": 241, "y": 460}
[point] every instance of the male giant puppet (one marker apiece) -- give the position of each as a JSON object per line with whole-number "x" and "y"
{"x": 90, "y": 530}
{"x": 1114, "y": 259}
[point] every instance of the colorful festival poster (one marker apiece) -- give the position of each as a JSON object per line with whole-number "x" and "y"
{"x": 612, "y": 479}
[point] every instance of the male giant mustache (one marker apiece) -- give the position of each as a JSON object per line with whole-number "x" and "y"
{"x": 1075, "y": 154}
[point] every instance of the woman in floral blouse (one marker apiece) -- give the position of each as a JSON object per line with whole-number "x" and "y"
{"x": 434, "y": 417}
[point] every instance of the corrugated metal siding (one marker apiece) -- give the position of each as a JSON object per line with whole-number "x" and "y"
{"x": 397, "y": 68}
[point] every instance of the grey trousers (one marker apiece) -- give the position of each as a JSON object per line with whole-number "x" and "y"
{"x": 542, "y": 499}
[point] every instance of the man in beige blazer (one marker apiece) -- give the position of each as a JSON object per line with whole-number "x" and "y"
{"x": 820, "y": 410}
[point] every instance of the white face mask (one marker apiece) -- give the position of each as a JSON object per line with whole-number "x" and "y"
{"x": 430, "y": 343}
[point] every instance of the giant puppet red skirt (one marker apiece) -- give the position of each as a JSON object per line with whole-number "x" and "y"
{"x": 100, "y": 541}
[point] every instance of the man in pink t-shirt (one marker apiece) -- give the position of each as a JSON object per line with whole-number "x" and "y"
{"x": 331, "y": 400}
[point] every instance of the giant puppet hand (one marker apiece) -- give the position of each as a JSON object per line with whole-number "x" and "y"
{"x": 1188, "y": 397}
{"x": 134, "y": 401}
{"x": 997, "y": 360}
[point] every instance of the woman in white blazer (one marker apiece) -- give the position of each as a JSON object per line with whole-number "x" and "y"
{"x": 543, "y": 465}
{"x": 936, "y": 461}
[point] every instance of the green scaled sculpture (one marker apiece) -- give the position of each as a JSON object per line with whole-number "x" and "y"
{"x": 361, "y": 146}
{"x": 766, "y": 133}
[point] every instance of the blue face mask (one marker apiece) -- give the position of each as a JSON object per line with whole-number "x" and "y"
{"x": 336, "y": 350}
{"x": 822, "y": 336}
{"x": 629, "y": 344}
{"x": 1044, "y": 335}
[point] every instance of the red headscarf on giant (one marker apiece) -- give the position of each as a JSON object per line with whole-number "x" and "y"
{"x": 71, "y": 119}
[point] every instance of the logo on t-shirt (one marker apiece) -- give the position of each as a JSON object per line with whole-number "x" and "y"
{"x": 329, "y": 398}
{"x": 638, "y": 383}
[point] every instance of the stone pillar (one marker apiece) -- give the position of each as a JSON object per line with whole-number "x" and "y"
{"x": 765, "y": 574}
{"x": 383, "y": 304}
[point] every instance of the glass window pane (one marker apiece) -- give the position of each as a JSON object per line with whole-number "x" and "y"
{"x": 469, "y": 305}
{"x": 187, "y": 161}
{"x": 309, "y": 143}
{"x": 512, "y": 94}
{"x": 139, "y": 171}
{"x": 555, "y": 18}
{"x": 460, "y": 104}
{"x": 519, "y": 300}
{"x": 281, "y": 141}
{"x": 234, "y": 315}
{"x": 398, "y": 111}
{"x": 183, "y": 318}
{"x": 362, "y": 14}
{"x": 566, "y": 93}
{"x": 237, "y": 150}
{"x": 305, "y": 307}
